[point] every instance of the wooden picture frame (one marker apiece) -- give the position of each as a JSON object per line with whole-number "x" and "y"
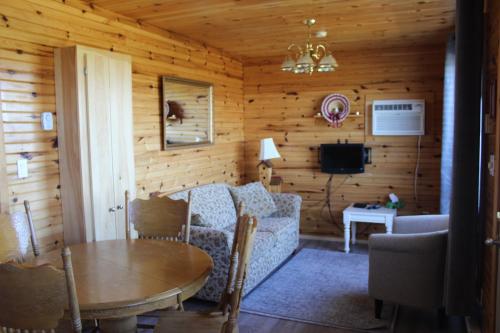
{"x": 187, "y": 118}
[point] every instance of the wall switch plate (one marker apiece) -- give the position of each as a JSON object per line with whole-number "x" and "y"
{"x": 47, "y": 121}
{"x": 22, "y": 168}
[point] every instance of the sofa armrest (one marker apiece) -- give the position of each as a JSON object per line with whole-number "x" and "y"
{"x": 217, "y": 243}
{"x": 288, "y": 205}
{"x": 420, "y": 223}
{"x": 408, "y": 269}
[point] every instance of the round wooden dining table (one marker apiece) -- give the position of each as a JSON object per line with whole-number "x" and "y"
{"x": 118, "y": 279}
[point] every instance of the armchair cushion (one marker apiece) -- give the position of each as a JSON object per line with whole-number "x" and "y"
{"x": 256, "y": 199}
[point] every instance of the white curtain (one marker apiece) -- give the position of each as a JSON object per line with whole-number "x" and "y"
{"x": 448, "y": 126}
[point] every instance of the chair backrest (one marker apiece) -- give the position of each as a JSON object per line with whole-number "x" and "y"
{"x": 34, "y": 298}
{"x": 17, "y": 236}
{"x": 159, "y": 218}
{"x": 244, "y": 235}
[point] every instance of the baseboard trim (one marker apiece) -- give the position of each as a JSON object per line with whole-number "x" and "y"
{"x": 329, "y": 238}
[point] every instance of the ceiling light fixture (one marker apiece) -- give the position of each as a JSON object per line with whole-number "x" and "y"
{"x": 309, "y": 58}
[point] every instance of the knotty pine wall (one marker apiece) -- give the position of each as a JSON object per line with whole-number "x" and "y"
{"x": 29, "y": 32}
{"x": 282, "y": 105}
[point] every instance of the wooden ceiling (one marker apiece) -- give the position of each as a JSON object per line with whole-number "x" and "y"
{"x": 252, "y": 29}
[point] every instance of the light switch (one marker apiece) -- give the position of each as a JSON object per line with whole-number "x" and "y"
{"x": 22, "y": 168}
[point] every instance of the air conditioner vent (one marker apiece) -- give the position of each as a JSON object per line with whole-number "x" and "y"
{"x": 398, "y": 117}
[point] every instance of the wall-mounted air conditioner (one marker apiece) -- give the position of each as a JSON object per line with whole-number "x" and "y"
{"x": 398, "y": 117}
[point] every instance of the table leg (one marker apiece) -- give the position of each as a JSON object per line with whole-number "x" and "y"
{"x": 118, "y": 325}
{"x": 347, "y": 225}
{"x": 388, "y": 226}
{"x": 353, "y": 228}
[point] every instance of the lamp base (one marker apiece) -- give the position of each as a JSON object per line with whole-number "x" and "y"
{"x": 265, "y": 173}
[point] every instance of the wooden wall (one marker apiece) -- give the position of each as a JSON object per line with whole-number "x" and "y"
{"x": 282, "y": 105}
{"x": 29, "y": 32}
{"x": 490, "y": 272}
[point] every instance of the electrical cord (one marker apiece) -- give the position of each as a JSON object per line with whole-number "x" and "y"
{"x": 328, "y": 200}
{"x": 415, "y": 176}
{"x": 328, "y": 203}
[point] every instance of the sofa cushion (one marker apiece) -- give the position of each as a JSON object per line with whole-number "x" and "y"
{"x": 211, "y": 205}
{"x": 276, "y": 225}
{"x": 256, "y": 199}
{"x": 263, "y": 243}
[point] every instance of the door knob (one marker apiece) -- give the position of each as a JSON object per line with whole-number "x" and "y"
{"x": 119, "y": 207}
{"x": 112, "y": 210}
{"x": 492, "y": 242}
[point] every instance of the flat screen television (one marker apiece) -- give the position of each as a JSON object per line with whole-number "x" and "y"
{"x": 342, "y": 158}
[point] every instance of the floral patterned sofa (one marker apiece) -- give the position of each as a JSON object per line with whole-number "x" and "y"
{"x": 276, "y": 239}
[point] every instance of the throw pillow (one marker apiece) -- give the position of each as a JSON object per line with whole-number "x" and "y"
{"x": 257, "y": 201}
{"x": 211, "y": 206}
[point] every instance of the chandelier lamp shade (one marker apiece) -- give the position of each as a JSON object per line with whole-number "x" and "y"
{"x": 309, "y": 58}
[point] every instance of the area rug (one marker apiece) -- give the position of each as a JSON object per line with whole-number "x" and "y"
{"x": 322, "y": 287}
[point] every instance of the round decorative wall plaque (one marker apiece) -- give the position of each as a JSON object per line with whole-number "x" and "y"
{"x": 335, "y": 109}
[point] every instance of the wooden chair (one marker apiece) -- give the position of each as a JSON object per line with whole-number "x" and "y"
{"x": 34, "y": 298}
{"x": 18, "y": 234}
{"x": 225, "y": 318}
{"x": 159, "y": 218}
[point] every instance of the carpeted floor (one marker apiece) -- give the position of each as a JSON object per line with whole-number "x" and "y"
{"x": 323, "y": 287}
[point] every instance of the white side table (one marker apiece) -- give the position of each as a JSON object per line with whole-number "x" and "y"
{"x": 352, "y": 215}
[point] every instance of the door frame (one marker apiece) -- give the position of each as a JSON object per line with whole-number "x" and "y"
{"x": 496, "y": 199}
{"x": 4, "y": 184}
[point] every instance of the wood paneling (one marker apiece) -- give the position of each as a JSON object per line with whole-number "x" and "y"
{"x": 4, "y": 193}
{"x": 282, "y": 105}
{"x": 29, "y": 32}
{"x": 489, "y": 281}
{"x": 254, "y": 28}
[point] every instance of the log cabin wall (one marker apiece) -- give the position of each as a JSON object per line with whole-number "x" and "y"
{"x": 29, "y": 33}
{"x": 282, "y": 106}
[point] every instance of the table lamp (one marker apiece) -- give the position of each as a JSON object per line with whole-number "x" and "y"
{"x": 268, "y": 151}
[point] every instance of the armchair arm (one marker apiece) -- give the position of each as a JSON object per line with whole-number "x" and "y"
{"x": 408, "y": 269}
{"x": 420, "y": 223}
{"x": 430, "y": 242}
{"x": 288, "y": 204}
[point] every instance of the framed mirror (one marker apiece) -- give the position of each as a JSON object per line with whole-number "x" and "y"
{"x": 187, "y": 113}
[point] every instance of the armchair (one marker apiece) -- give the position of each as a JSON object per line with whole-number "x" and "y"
{"x": 407, "y": 267}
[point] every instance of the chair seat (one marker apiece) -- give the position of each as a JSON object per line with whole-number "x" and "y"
{"x": 190, "y": 322}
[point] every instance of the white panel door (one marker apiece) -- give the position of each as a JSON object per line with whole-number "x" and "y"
{"x": 100, "y": 145}
{"x": 122, "y": 135}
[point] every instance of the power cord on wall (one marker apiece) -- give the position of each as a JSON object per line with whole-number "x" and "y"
{"x": 329, "y": 200}
{"x": 415, "y": 176}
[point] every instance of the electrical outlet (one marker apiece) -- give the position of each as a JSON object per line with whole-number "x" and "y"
{"x": 47, "y": 121}
{"x": 22, "y": 168}
{"x": 491, "y": 165}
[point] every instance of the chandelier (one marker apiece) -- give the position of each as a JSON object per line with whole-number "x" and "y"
{"x": 307, "y": 59}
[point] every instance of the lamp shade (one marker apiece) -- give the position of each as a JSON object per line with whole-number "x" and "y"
{"x": 288, "y": 64}
{"x": 268, "y": 150}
